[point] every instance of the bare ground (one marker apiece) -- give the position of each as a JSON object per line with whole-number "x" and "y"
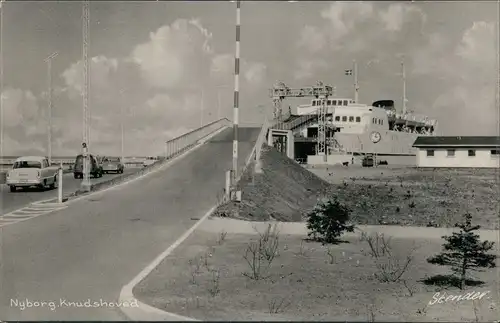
{"x": 387, "y": 195}
{"x": 205, "y": 278}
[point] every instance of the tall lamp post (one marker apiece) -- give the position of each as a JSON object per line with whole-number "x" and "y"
{"x": 1, "y": 76}
{"x": 86, "y": 88}
{"x": 48, "y": 60}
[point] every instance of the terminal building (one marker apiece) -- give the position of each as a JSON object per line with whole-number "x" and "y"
{"x": 458, "y": 152}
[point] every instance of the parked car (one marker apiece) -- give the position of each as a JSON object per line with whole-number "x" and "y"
{"x": 368, "y": 161}
{"x": 95, "y": 168}
{"x": 112, "y": 164}
{"x": 149, "y": 161}
{"x": 30, "y": 171}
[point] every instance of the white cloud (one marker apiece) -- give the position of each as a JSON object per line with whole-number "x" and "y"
{"x": 343, "y": 17}
{"x": 467, "y": 106}
{"x": 101, "y": 69}
{"x": 19, "y": 107}
{"x": 350, "y": 29}
{"x": 253, "y": 73}
{"x": 158, "y": 86}
{"x": 311, "y": 39}
{"x": 398, "y": 14}
{"x": 173, "y": 54}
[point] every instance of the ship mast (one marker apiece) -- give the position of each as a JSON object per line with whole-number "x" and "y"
{"x": 356, "y": 87}
{"x": 403, "y": 73}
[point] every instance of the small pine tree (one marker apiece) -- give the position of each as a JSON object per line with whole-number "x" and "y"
{"x": 463, "y": 251}
{"x": 328, "y": 221}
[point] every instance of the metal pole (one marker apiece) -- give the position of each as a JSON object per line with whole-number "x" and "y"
{"x": 60, "y": 183}
{"x": 202, "y": 108}
{"x": 236, "y": 92}
{"x": 218, "y": 104}
{"x": 356, "y": 88}
{"x": 121, "y": 130}
{"x": 1, "y": 76}
{"x": 86, "y": 85}
{"x": 403, "y": 73}
{"x": 49, "y": 99}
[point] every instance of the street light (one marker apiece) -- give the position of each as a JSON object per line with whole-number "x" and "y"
{"x": 1, "y": 76}
{"x": 48, "y": 60}
{"x": 121, "y": 123}
{"x": 86, "y": 88}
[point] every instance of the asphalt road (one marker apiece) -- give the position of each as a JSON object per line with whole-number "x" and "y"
{"x": 89, "y": 250}
{"x": 21, "y": 198}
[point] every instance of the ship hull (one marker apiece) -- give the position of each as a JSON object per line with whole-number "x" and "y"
{"x": 394, "y": 147}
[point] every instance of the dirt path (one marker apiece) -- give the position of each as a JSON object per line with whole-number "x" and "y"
{"x": 299, "y": 228}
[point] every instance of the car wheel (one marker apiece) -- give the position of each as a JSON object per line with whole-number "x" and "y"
{"x": 54, "y": 184}
{"x": 13, "y": 188}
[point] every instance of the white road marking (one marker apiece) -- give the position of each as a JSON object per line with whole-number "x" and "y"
{"x": 153, "y": 313}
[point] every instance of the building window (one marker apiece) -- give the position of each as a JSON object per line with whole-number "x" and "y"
{"x": 358, "y": 119}
{"x": 450, "y": 152}
{"x": 334, "y": 102}
{"x": 329, "y": 102}
{"x": 351, "y": 119}
{"x": 495, "y": 152}
{"x": 430, "y": 153}
{"x": 337, "y": 118}
{"x": 373, "y": 120}
{"x": 344, "y": 118}
{"x": 314, "y": 103}
{"x": 345, "y": 102}
{"x": 471, "y": 153}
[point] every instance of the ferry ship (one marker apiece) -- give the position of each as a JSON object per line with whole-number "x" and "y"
{"x": 354, "y": 130}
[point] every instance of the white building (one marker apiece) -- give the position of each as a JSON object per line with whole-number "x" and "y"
{"x": 462, "y": 151}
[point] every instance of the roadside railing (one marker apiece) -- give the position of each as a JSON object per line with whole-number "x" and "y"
{"x": 180, "y": 144}
{"x": 255, "y": 153}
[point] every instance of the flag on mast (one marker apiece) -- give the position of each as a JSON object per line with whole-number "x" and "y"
{"x": 348, "y": 72}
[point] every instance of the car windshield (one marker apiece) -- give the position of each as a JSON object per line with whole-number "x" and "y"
{"x": 27, "y": 164}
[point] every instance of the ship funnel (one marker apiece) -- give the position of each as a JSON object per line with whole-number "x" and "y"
{"x": 385, "y": 104}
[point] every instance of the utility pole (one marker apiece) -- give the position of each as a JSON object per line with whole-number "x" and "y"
{"x": 403, "y": 73}
{"x": 48, "y": 60}
{"x": 356, "y": 87}
{"x": 236, "y": 92}
{"x": 1, "y": 76}
{"x": 202, "y": 106}
{"x": 218, "y": 104}
{"x": 86, "y": 89}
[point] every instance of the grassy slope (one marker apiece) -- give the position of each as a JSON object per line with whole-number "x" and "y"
{"x": 283, "y": 191}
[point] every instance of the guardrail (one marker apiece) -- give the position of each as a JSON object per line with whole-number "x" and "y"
{"x": 255, "y": 154}
{"x": 178, "y": 145}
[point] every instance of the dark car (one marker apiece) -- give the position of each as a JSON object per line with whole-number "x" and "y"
{"x": 95, "y": 167}
{"x": 112, "y": 164}
{"x": 368, "y": 161}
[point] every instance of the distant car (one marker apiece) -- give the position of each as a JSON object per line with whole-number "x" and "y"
{"x": 149, "y": 161}
{"x": 368, "y": 161}
{"x": 95, "y": 168}
{"x": 112, "y": 164}
{"x": 32, "y": 171}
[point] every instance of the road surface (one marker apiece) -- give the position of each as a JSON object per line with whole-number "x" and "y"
{"x": 89, "y": 250}
{"x": 15, "y": 200}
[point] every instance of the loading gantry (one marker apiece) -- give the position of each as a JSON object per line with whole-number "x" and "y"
{"x": 281, "y": 91}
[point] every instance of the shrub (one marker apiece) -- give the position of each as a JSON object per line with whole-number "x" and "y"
{"x": 463, "y": 251}
{"x": 328, "y": 221}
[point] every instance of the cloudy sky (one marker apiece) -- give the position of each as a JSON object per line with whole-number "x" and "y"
{"x": 165, "y": 62}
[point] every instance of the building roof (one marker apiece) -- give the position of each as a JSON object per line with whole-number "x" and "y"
{"x": 485, "y": 141}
